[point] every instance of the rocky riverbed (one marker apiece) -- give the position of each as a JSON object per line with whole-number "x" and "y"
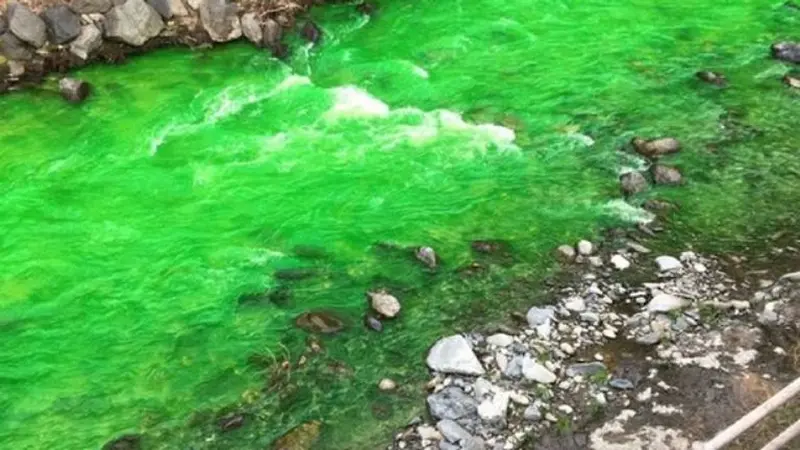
{"x": 636, "y": 351}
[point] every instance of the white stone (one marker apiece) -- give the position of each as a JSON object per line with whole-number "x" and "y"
{"x": 585, "y": 248}
{"x": 596, "y": 261}
{"x": 483, "y": 388}
{"x": 384, "y": 304}
{"x": 668, "y": 263}
{"x": 566, "y": 348}
{"x": 645, "y": 395}
{"x": 500, "y": 340}
{"x": 551, "y": 418}
{"x": 794, "y": 276}
{"x": 619, "y": 262}
{"x": 538, "y": 316}
{"x": 664, "y": 303}
{"x": 575, "y": 304}
{"x": 453, "y": 355}
{"x": 566, "y": 409}
{"x": 544, "y": 330}
{"x": 534, "y": 371}
{"x": 387, "y": 385}
{"x": 609, "y": 333}
{"x": 688, "y": 256}
{"x": 502, "y": 362}
{"x": 429, "y": 433}
{"x": 519, "y": 399}
{"x": 700, "y": 268}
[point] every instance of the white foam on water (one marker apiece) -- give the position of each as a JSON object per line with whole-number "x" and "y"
{"x": 627, "y": 212}
{"x": 350, "y": 101}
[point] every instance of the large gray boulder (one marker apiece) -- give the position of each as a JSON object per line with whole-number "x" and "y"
{"x": 169, "y": 8}
{"x": 14, "y": 49}
{"x": 220, "y": 20}
{"x": 26, "y": 25}
{"x": 91, "y": 6}
{"x": 252, "y": 29}
{"x": 453, "y": 355}
{"x": 63, "y": 25}
{"x": 134, "y": 22}
{"x": 87, "y": 41}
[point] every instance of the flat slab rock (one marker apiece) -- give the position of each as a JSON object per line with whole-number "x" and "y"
{"x": 454, "y": 355}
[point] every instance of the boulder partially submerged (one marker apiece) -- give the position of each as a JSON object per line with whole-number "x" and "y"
{"x": 73, "y": 90}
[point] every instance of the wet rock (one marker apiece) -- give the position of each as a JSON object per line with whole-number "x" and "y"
{"x": 133, "y": 22}
{"x": 786, "y": 51}
{"x": 656, "y": 147}
{"x": 72, "y": 90}
{"x": 585, "y": 248}
{"x": 500, "y": 340}
{"x": 126, "y": 442}
{"x": 452, "y": 431}
{"x": 319, "y": 322}
{"x": 665, "y": 175}
{"x": 302, "y": 437}
{"x": 387, "y": 385}
{"x": 311, "y": 32}
{"x": 539, "y": 316}
{"x": 792, "y": 79}
{"x": 621, "y": 384}
{"x": 657, "y": 205}
{"x": 89, "y": 39}
{"x": 452, "y": 403}
{"x": 231, "y": 422}
{"x": 26, "y": 25}
{"x": 384, "y": 304}
{"x": 373, "y": 323}
{"x": 489, "y": 247}
{"x": 427, "y": 256}
{"x": 367, "y": 8}
{"x": 534, "y": 371}
{"x": 295, "y": 274}
{"x": 220, "y": 20}
{"x": 90, "y": 6}
{"x": 668, "y": 263}
{"x": 715, "y": 78}
{"x": 632, "y": 183}
{"x": 664, "y": 303}
{"x": 454, "y": 355}
{"x": 272, "y": 33}
{"x": 566, "y": 253}
{"x": 169, "y": 8}
{"x": 252, "y": 29}
{"x": 585, "y": 369}
{"x": 13, "y": 48}
{"x": 63, "y": 25}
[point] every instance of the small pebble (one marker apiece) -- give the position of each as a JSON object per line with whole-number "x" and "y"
{"x": 619, "y": 262}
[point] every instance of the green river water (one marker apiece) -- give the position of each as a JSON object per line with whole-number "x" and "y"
{"x": 132, "y": 224}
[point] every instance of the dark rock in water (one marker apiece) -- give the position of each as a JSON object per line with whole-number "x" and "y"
{"x": 786, "y": 51}
{"x": 427, "y": 256}
{"x": 632, "y": 183}
{"x": 26, "y": 25}
{"x": 73, "y": 91}
{"x": 319, "y": 322}
{"x": 373, "y": 323}
{"x": 231, "y": 422}
{"x": 489, "y": 246}
{"x": 715, "y": 78}
{"x": 452, "y": 403}
{"x": 472, "y": 269}
{"x": 309, "y": 252}
{"x": 665, "y": 175}
{"x": 126, "y": 442}
{"x": 63, "y": 25}
{"x": 279, "y": 296}
{"x": 311, "y": 32}
{"x": 656, "y": 147}
{"x": 792, "y": 79}
{"x": 367, "y": 8}
{"x": 302, "y": 437}
{"x": 295, "y": 274}
{"x": 13, "y": 48}
{"x": 656, "y": 205}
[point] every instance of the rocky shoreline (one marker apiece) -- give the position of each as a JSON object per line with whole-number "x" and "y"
{"x": 37, "y": 39}
{"x": 635, "y": 352}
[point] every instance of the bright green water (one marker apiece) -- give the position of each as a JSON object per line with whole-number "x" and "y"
{"x": 131, "y": 224}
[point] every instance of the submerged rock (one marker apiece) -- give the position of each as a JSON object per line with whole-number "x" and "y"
{"x": 665, "y": 175}
{"x": 26, "y": 25}
{"x": 792, "y": 79}
{"x": 63, "y": 25}
{"x": 295, "y": 274}
{"x": 126, "y": 442}
{"x": 367, "y": 8}
{"x": 489, "y": 247}
{"x": 787, "y": 51}
{"x": 373, "y": 323}
{"x": 319, "y": 322}
{"x": 632, "y": 183}
{"x": 231, "y": 422}
{"x": 384, "y": 303}
{"x": 453, "y": 355}
{"x": 715, "y": 78}
{"x": 311, "y": 32}
{"x": 427, "y": 256}
{"x": 656, "y": 147}
{"x": 302, "y": 437}
{"x": 72, "y": 90}
{"x": 387, "y": 385}
{"x": 133, "y": 22}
